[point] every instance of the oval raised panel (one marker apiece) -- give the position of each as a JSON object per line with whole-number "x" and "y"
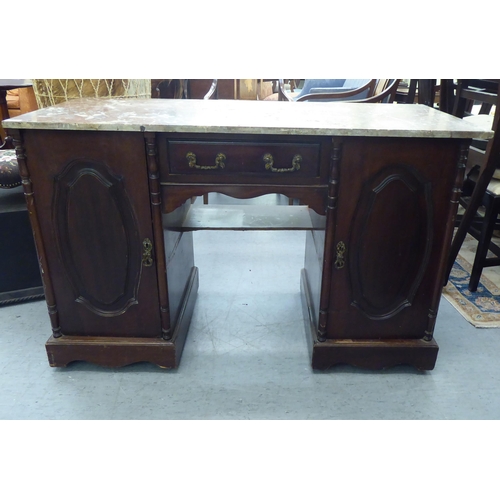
{"x": 89, "y": 198}
{"x": 386, "y": 271}
{"x": 97, "y": 237}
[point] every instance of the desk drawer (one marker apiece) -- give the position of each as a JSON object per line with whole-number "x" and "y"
{"x": 281, "y": 160}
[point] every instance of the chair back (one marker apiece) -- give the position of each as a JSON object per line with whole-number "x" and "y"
{"x": 485, "y": 94}
{"x": 310, "y": 86}
{"x": 470, "y": 92}
{"x": 386, "y": 95}
{"x": 475, "y": 100}
{"x": 336, "y": 90}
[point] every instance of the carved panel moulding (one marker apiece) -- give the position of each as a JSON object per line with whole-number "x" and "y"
{"x": 96, "y": 229}
{"x": 397, "y": 195}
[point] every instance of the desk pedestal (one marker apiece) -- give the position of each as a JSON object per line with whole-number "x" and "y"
{"x": 108, "y": 208}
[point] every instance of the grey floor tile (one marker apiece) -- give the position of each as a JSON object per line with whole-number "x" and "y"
{"x": 246, "y": 357}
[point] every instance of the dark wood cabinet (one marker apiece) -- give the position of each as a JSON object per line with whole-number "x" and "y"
{"x": 108, "y": 189}
{"x": 90, "y": 190}
{"x": 390, "y": 230}
{"x": 96, "y": 233}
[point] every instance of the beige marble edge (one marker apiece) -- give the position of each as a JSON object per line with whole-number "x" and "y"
{"x": 471, "y": 132}
{"x": 209, "y": 116}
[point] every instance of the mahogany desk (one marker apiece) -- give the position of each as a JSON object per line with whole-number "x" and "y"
{"x": 107, "y": 184}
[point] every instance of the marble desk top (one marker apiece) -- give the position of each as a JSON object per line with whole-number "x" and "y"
{"x": 249, "y": 117}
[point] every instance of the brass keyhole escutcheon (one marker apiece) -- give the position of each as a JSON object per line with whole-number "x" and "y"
{"x": 340, "y": 251}
{"x": 147, "y": 250}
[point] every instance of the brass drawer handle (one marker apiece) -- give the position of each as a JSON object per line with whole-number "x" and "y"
{"x": 147, "y": 259}
{"x": 340, "y": 255}
{"x": 269, "y": 162}
{"x": 219, "y": 162}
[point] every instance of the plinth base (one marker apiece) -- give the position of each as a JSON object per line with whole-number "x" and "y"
{"x": 115, "y": 352}
{"x": 372, "y": 354}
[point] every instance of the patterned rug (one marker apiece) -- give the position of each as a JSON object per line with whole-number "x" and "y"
{"x": 480, "y": 308}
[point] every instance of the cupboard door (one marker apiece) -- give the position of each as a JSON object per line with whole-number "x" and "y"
{"x": 389, "y": 245}
{"x": 92, "y": 199}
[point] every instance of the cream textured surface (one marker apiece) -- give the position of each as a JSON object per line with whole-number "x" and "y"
{"x": 252, "y": 117}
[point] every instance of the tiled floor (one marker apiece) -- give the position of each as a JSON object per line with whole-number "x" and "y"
{"x": 246, "y": 356}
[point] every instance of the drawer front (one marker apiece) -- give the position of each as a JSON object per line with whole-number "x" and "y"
{"x": 280, "y": 160}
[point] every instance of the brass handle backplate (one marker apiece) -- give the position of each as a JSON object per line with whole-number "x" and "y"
{"x": 340, "y": 251}
{"x": 269, "y": 162}
{"x": 147, "y": 259}
{"x": 219, "y": 162}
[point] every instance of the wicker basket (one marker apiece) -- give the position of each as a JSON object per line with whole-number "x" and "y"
{"x": 50, "y": 92}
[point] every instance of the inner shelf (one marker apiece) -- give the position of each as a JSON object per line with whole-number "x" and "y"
{"x": 244, "y": 217}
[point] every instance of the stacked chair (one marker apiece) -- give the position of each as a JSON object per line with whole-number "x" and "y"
{"x": 19, "y": 272}
{"x": 482, "y": 183}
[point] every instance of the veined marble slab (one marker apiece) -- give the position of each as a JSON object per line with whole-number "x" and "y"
{"x": 249, "y": 117}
